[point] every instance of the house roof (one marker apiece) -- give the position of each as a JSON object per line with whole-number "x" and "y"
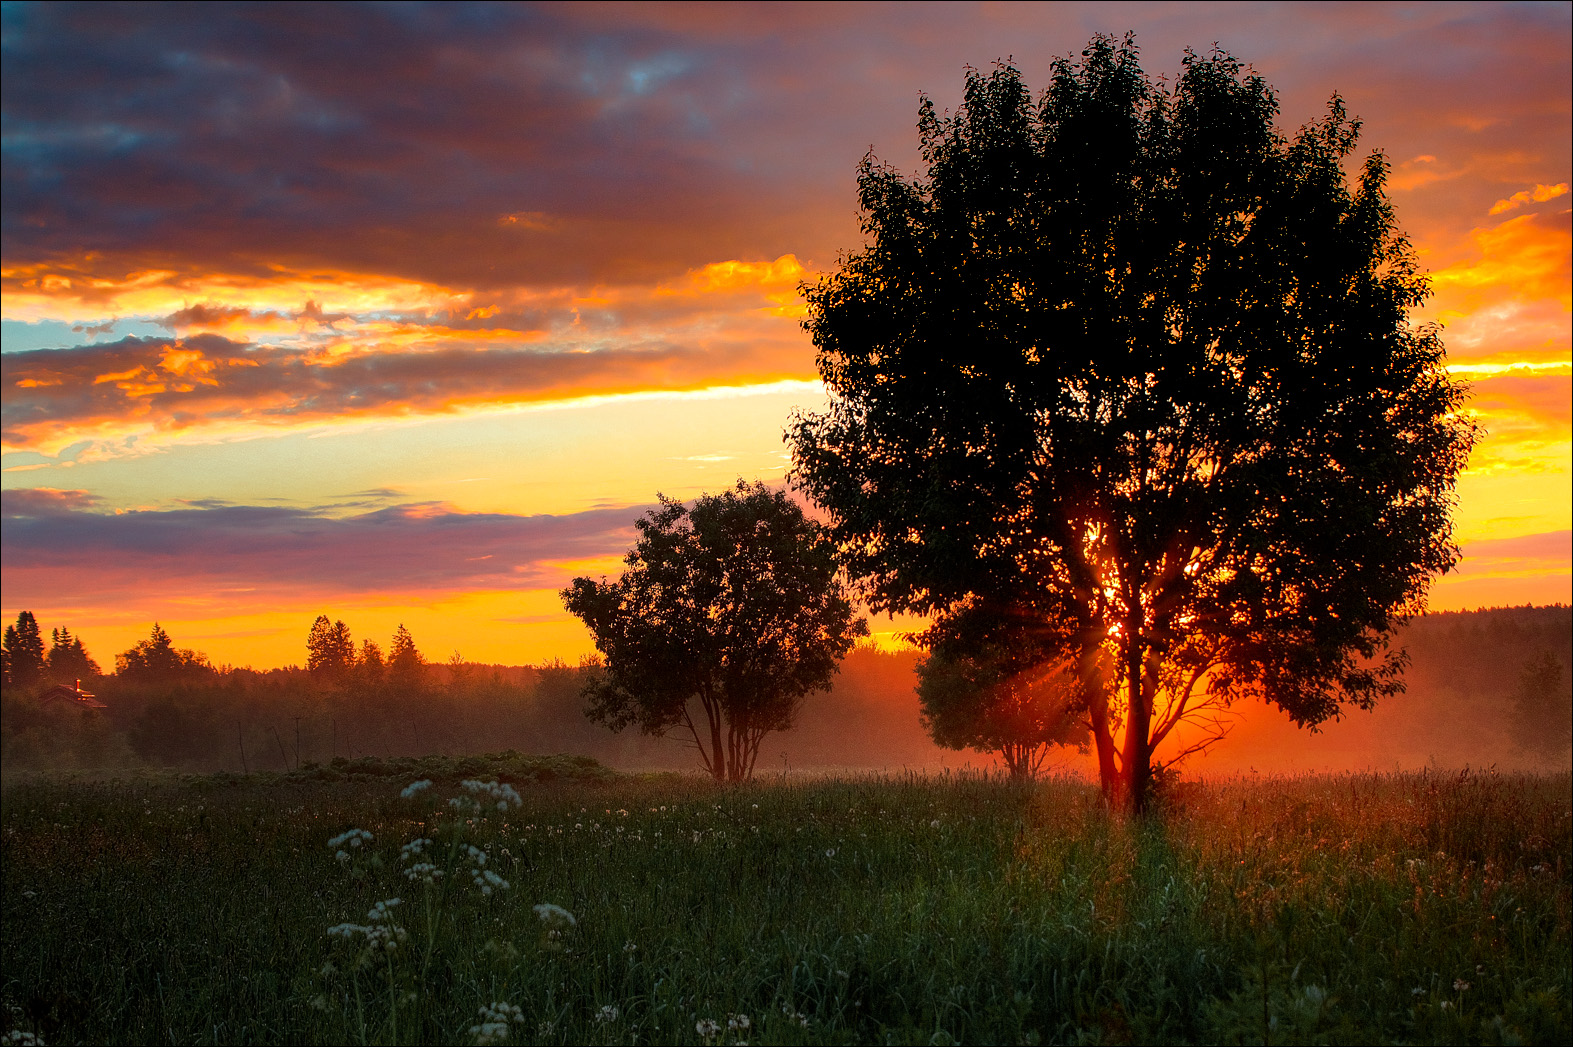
{"x": 61, "y": 693}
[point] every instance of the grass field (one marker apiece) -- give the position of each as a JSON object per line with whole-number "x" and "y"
{"x": 1413, "y": 908}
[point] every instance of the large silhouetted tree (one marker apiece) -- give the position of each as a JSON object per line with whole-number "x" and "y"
{"x": 24, "y": 652}
{"x": 330, "y": 651}
{"x": 728, "y": 615}
{"x": 1133, "y": 370}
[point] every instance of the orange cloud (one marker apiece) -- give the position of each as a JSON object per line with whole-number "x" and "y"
{"x": 1539, "y": 194}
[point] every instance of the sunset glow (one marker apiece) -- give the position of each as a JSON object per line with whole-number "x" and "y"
{"x": 406, "y": 315}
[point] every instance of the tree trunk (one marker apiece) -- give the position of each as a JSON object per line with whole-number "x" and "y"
{"x": 1138, "y": 757}
{"x": 1098, "y": 714}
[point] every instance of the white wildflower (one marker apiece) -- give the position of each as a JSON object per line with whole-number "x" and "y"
{"x": 351, "y": 838}
{"x": 555, "y": 916}
{"x": 488, "y": 881}
{"x": 413, "y": 849}
{"x": 502, "y": 793}
{"x": 1459, "y": 985}
{"x": 415, "y": 787}
{"x": 630, "y": 948}
{"x": 707, "y": 1027}
{"x": 495, "y": 1019}
{"x": 423, "y": 872}
{"x": 830, "y": 852}
{"x": 607, "y": 1013}
{"x": 382, "y": 912}
{"x": 737, "y": 1022}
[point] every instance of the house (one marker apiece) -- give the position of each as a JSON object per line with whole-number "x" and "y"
{"x": 72, "y": 696}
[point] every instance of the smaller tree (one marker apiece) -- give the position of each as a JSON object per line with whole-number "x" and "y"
{"x": 1543, "y": 708}
{"x": 370, "y": 667}
{"x": 1005, "y": 694}
{"x": 406, "y": 666}
{"x": 728, "y": 615}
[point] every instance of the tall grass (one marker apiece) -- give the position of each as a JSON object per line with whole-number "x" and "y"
{"x": 1413, "y": 908}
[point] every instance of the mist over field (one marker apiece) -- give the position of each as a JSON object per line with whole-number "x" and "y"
{"x": 1458, "y": 710}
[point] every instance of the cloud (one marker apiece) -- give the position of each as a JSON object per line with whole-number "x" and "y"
{"x": 161, "y": 388}
{"x": 1548, "y": 553}
{"x": 1539, "y": 194}
{"x": 43, "y": 502}
{"x": 55, "y": 544}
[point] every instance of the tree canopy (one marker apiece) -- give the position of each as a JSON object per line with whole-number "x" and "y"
{"x": 156, "y": 661}
{"x": 24, "y": 652}
{"x": 728, "y": 615}
{"x": 1132, "y": 371}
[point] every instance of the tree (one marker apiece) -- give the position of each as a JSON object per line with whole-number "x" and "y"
{"x": 24, "y": 652}
{"x": 330, "y": 651}
{"x": 370, "y": 667}
{"x": 156, "y": 661}
{"x": 728, "y": 615}
{"x": 406, "y": 667}
{"x": 1133, "y": 370}
{"x": 1542, "y": 718}
{"x": 992, "y": 691}
{"x": 68, "y": 660}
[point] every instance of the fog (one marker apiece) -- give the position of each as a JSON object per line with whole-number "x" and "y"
{"x": 1461, "y": 708}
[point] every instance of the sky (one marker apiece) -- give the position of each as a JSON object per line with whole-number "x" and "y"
{"x": 403, "y": 313}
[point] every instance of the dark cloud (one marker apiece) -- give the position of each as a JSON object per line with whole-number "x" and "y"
{"x": 44, "y": 502}
{"x": 53, "y": 543}
{"x": 169, "y": 385}
{"x": 626, "y": 143}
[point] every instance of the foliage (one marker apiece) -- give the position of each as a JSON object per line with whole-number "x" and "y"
{"x": 156, "y": 661}
{"x": 24, "y": 653}
{"x": 1543, "y": 707}
{"x": 406, "y": 666}
{"x": 1134, "y": 370}
{"x": 1357, "y": 909}
{"x": 330, "y": 651}
{"x": 733, "y": 607}
{"x": 995, "y": 698}
{"x": 68, "y": 660}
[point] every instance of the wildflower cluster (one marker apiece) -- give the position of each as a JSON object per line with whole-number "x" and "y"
{"x": 495, "y": 1021}
{"x": 420, "y": 872}
{"x": 414, "y": 788}
{"x": 556, "y": 923}
{"x": 499, "y": 792}
{"x": 484, "y": 879}
{"x": 351, "y": 839}
{"x": 380, "y": 931}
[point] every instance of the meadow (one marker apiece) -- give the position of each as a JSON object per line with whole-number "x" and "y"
{"x": 512, "y": 899}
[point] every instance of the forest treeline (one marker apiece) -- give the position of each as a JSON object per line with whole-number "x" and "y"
{"x": 1470, "y": 700}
